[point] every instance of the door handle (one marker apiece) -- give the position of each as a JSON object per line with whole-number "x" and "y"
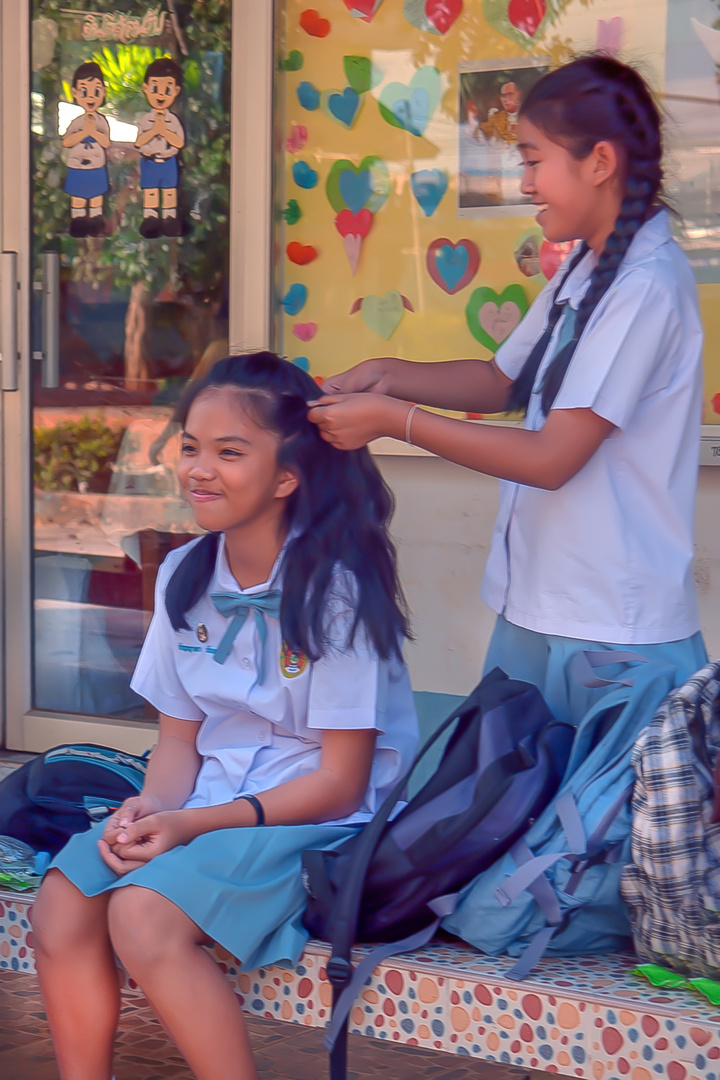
{"x": 8, "y": 319}
{"x": 50, "y": 320}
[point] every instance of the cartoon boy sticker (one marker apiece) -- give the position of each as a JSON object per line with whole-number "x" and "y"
{"x": 160, "y": 138}
{"x": 87, "y": 138}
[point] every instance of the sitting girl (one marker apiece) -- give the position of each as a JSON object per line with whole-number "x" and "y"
{"x": 286, "y": 715}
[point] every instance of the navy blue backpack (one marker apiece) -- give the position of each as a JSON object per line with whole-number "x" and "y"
{"x": 64, "y": 791}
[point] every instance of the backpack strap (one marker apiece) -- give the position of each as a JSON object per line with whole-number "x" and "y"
{"x": 530, "y": 873}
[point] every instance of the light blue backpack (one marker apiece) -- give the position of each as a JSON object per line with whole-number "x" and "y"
{"x": 558, "y": 888}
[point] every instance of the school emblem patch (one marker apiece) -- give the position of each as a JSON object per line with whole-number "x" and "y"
{"x": 202, "y": 632}
{"x": 292, "y": 662}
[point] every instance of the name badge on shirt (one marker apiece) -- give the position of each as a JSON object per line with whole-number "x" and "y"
{"x": 292, "y": 662}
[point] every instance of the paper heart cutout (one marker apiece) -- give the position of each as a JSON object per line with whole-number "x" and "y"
{"x": 297, "y": 138}
{"x": 411, "y": 106}
{"x": 552, "y": 256}
{"x": 308, "y": 96}
{"x": 432, "y": 16}
{"x": 348, "y": 184}
{"x": 294, "y": 299}
{"x": 304, "y": 176}
{"x": 305, "y": 331}
{"x": 362, "y": 9}
{"x": 349, "y": 224}
{"x": 515, "y": 20}
{"x": 301, "y": 254}
{"x": 428, "y": 187}
{"x": 352, "y": 242}
{"x": 293, "y": 61}
{"x": 313, "y": 24}
{"x": 491, "y": 317}
{"x": 292, "y": 212}
{"x": 609, "y": 33}
{"x": 342, "y": 106}
{"x": 302, "y": 362}
{"x": 359, "y": 73}
{"x": 383, "y": 313}
{"x": 452, "y": 266}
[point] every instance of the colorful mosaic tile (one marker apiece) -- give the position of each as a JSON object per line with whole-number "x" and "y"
{"x": 584, "y": 1017}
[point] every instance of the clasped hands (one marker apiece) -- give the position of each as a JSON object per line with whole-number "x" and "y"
{"x": 138, "y": 831}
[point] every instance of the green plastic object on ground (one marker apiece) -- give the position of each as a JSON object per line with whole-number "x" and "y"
{"x": 660, "y": 976}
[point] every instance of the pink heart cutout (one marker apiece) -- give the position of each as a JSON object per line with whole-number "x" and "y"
{"x": 306, "y": 331}
{"x": 297, "y": 138}
{"x": 347, "y": 223}
{"x": 499, "y": 322}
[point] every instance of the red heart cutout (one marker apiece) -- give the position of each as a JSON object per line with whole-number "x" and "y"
{"x": 363, "y": 9}
{"x": 313, "y": 24}
{"x": 471, "y": 269}
{"x": 302, "y": 254}
{"x": 442, "y": 13}
{"x": 349, "y": 224}
{"x": 526, "y": 15}
{"x": 552, "y": 256}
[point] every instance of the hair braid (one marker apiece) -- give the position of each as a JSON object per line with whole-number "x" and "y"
{"x": 590, "y": 100}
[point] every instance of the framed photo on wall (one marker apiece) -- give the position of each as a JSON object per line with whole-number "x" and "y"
{"x": 489, "y": 162}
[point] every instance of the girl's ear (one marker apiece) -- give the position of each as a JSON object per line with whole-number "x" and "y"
{"x": 604, "y": 162}
{"x": 288, "y": 483}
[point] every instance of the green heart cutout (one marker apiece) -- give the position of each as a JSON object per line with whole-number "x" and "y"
{"x": 360, "y": 73}
{"x": 425, "y": 79}
{"x": 293, "y": 61}
{"x": 383, "y": 313}
{"x": 292, "y": 212}
{"x": 491, "y": 327}
{"x": 380, "y": 182}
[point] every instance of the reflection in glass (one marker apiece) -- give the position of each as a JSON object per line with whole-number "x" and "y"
{"x": 138, "y": 317}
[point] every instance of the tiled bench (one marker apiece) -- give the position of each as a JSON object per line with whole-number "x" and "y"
{"x": 585, "y": 1017}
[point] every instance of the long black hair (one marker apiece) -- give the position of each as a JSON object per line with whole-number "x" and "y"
{"x": 338, "y": 515}
{"x": 594, "y": 99}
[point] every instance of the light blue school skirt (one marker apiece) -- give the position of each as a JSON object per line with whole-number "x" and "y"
{"x": 551, "y": 663}
{"x": 243, "y": 887}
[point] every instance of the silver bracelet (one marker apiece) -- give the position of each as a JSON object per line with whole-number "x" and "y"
{"x": 408, "y": 423}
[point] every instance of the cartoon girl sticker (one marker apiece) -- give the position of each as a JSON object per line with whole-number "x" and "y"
{"x": 87, "y": 138}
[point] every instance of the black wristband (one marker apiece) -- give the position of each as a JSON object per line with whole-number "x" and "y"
{"x": 257, "y": 807}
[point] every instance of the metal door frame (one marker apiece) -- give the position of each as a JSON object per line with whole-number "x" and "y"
{"x": 250, "y": 285}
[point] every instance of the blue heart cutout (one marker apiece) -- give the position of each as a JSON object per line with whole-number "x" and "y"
{"x": 428, "y": 187}
{"x": 303, "y": 175}
{"x": 302, "y": 362}
{"x": 413, "y": 113}
{"x": 294, "y": 299}
{"x": 308, "y": 96}
{"x": 344, "y": 106}
{"x": 355, "y": 188}
{"x": 452, "y": 264}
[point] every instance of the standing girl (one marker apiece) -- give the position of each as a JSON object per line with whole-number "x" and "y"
{"x": 594, "y": 538}
{"x": 286, "y": 715}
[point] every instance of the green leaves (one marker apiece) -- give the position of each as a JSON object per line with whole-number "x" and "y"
{"x": 74, "y": 453}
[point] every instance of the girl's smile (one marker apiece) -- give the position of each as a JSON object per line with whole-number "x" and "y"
{"x": 576, "y": 198}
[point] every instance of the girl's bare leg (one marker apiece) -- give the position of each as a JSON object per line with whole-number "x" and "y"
{"x": 162, "y": 949}
{"x": 78, "y": 977}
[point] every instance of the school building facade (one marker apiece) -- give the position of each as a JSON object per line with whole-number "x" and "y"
{"x": 331, "y": 182}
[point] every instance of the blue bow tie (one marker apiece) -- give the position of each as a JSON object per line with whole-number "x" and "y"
{"x": 235, "y": 606}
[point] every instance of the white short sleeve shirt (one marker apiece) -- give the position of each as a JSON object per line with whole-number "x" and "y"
{"x": 158, "y": 148}
{"x": 253, "y": 736}
{"x": 608, "y": 556}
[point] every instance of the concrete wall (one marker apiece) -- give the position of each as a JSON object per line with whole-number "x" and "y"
{"x": 442, "y": 528}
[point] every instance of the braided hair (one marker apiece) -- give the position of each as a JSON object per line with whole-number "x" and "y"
{"x": 594, "y": 99}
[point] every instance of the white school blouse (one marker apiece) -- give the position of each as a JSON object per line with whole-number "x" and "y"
{"x": 608, "y": 556}
{"x": 253, "y": 737}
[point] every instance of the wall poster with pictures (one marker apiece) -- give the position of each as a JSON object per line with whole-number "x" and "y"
{"x": 489, "y": 162}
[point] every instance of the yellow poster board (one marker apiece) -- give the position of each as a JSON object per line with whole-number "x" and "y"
{"x": 399, "y": 231}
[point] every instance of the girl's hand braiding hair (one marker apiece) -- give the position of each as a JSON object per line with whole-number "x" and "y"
{"x": 368, "y": 377}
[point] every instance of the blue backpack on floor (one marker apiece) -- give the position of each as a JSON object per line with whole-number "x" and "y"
{"x": 558, "y": 888}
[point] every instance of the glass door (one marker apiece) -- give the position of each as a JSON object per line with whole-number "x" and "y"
{"x": 125, "y": 146}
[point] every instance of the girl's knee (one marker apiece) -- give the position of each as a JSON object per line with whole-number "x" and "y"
{"x": 145, "y": 927}
{"x": 63, "y": 918}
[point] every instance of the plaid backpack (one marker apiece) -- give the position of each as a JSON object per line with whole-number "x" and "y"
{"x": 672, "y": 885}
